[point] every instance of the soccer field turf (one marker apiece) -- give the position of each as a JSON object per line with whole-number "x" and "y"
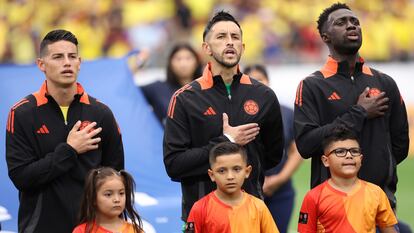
{"x": 405, "y": 191}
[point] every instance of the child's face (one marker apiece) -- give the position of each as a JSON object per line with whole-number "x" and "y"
{"x": 110, "y": 197}
{"x": 229, "y": 172}
{"x": 344, "y": 167}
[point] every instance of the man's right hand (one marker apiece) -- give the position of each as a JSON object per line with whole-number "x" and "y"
{"x": 241, "y": 134}
{"x": 375, "y": 106}
{"x": 82, "y": 140}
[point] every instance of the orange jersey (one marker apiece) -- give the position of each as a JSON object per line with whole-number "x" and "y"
{"x": 210, "y": 215}
{"x": 126, "y": 228}
{"x": 325, "y": 209}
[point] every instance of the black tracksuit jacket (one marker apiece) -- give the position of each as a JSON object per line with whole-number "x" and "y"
{"x": 328, "y": 97}
{"x": 195, "y": 124}
{"x": 48, "y": 172}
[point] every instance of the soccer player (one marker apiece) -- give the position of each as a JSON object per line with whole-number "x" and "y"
{"x": 347, "y": 91}
{"x": 54, "y": 137}
{"x": 222, "y": 105}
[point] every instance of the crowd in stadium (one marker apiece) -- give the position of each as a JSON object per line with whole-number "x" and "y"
{"x": 275, "y": 31}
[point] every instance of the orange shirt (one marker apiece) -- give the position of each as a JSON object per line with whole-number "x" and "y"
{"x": 126, "y": 228}
{"x": 325, "y": 209}
{"x": 210, "y": 215}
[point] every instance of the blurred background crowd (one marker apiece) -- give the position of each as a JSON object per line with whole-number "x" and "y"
{"x": 274, "y": 31}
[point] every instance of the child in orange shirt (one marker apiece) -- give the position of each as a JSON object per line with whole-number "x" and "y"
{"x": 344, "y": 203}
{"x": 228, "y": 209}
{"x": 107, "y": 203}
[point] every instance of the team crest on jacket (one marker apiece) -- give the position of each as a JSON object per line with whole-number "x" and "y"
{"x": 251, "y": 107}
{"x": 84, "y": 124}
{"x": 374, "y": 92}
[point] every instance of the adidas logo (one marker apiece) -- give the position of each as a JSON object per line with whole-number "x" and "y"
{"x": 334, "y": 96}
{"x": 43, "y": 130}
{"x": 209, "y": 112}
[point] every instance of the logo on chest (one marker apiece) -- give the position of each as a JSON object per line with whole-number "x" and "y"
{"x": 251, "y": 107}
{"x": 374, "y": 92}
{"x": 43, "y": 130}
{"x": 334, "y": 96}
{"x": 209, "y": 112}
{"x": 84, "y": 124}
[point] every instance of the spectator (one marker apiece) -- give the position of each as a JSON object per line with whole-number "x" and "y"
{"x": 184, "y": 65}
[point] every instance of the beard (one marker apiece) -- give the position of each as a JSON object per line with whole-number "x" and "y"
{"x": 220, "y": 59}
{"x": 348, "y": 47}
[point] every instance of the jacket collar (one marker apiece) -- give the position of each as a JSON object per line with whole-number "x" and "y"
{"x": 42, "y": 94}
{"x": 333, "y": 67}
{"x": 206, "y": 81}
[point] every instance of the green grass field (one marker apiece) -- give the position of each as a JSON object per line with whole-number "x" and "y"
{"x": 405, "y": 191}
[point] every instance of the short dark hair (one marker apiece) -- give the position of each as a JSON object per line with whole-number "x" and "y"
{"x": 54, "y": 36}
{"x": 258, "y": 67}
{"x": 323, "y": 17}
{"x": 218, "y": 17}
{"x": 226, "y": 148}
{"x": 340, "y": 132}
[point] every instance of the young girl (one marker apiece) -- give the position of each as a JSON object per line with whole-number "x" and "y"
{"x": 107, "y": 203}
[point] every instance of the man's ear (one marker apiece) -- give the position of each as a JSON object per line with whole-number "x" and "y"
{"x": 248, "y": 171}
{"x": 325, "y": 160}
{"x": 40, "y": 64}
{"x": 80, "y": 62}
{"x": 206, "y": 48}
{"x": 211, "y": 174}
{"x": 325, "y": 37}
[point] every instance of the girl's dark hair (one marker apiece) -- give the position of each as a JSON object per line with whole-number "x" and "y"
{"x": 94, "y": 180}
{"x": 171, "y": 76}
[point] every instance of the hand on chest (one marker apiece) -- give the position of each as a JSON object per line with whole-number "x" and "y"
{"x": 339, "y": 96}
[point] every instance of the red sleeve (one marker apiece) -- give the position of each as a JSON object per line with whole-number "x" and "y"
{"x": 308, "y": 214}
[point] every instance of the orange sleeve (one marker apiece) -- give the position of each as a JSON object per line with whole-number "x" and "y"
{"x": 195, "y": 221}
{"x": 308, "y": 214}
{"x": 267, "y": 224}
{"x": 385, "y": 216}
{"x": 79, "y": 228}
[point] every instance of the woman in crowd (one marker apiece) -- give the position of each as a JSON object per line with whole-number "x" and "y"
{"x": 184, "y": 65}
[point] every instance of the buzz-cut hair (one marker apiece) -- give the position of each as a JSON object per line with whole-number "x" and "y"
{"x": 218, "y": 17}
{"x": 323, "y": 17}
{"x": 54, "y": 36}
{"x": 340, "y": 132}
{"x": 227, "y": 148}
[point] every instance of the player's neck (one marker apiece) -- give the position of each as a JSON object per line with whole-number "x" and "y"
{"x": 233, "y": 199}
{"x": 113, "y": 224}
{"x": 225, "y": 73}
{"x": 343, "y": 184}
{"x": 63, "y": 96}
{"x": 351, "y": 59}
